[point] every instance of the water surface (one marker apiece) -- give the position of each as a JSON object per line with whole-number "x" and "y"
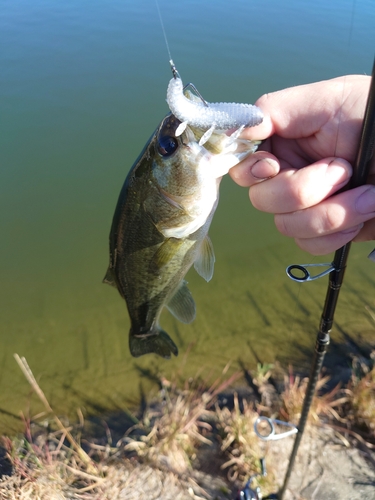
{"x": 82, "y": 87}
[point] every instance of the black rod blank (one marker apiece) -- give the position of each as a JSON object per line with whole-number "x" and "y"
{"x": 360, "y": 172}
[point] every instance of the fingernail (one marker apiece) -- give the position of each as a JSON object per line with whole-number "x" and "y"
{"x": 264, "y": 169}
{"x": 338, "y": 172}
{"x": 353, "y": 229}
{"x": 365, "y": 204}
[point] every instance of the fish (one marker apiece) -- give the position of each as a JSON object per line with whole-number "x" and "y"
{"x": 161, "y": 221}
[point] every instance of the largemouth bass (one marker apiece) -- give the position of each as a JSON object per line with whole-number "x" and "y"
{"x": 160, "y": 226}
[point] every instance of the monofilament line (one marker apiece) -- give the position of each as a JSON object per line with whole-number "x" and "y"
{"x": 162, "y": 27}
{"x": 344, "y": 83}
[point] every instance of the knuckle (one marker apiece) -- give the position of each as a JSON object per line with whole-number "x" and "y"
{"x": 332, "y": 219}
{"x": 283, "y": 224}
{"x": 299, "y": 195}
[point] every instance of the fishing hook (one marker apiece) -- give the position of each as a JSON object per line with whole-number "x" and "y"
{"x": 176, "y": 75}
{"x": 192, "y": 86}
{"x": 306, "y": 276}
{"x": 272, "y": 435}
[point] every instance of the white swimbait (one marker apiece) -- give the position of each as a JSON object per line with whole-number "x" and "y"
{"x": 210, "y": 116}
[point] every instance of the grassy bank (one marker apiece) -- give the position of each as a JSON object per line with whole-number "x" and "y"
{"x": 196, "y": 439}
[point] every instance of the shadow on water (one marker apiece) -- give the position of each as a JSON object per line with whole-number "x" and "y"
{"x": 339, "y": 359}
{"x": 258, "y": 309}
{"x": 116, "y": 423}
{"x": 249, "y": 379}
{"x": 150, "y": 374}
{"x": 177, "y": 333}
{"x": 296, "y": 300}
{"x": 16, "y": 419}
{"x": 338, "y": 365}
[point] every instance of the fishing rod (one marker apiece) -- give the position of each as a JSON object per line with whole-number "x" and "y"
{"x": 264, "y": 427}
{"x": 336, "y": 274}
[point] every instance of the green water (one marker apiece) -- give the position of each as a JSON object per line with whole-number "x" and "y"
{"x": 82, "y": 87}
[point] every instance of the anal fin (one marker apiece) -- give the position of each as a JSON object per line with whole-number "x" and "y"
{"x": 182, "y": 304}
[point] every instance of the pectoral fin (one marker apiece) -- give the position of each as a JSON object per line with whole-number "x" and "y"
{"x": 182, "y": 304}
{"x": 166, "y": 252}
{"x": 204, "y": 265}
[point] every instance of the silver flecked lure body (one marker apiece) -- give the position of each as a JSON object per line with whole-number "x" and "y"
{"x": 210, "y": 116}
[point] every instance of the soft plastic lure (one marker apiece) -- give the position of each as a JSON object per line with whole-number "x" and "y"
{"x": 210, "y": 116}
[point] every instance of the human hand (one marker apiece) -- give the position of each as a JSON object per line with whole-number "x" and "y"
{"x": 311, "y": 135}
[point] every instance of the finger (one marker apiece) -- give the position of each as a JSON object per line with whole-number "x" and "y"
{"x": 293, "y": 112}
{"x": 328, "y": 243}
{"x": 304, "y": 110}
{"x": 338, "y": 213}
{"x": 367, "y": 233}
{"x": 255, "y": 168}
{"x": 292, "y": 190}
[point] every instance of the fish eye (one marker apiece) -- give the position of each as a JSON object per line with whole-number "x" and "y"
{"x": 167, "y": 145}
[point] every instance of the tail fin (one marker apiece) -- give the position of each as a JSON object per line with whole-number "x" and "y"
{"x": 160, "y": 343}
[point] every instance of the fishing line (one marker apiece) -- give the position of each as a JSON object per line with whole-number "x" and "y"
{"x": 300, "y": 295}
{"x": 163, "y": 29}
{"x": 345, "y": 77}
{"x": 313, "y": 260}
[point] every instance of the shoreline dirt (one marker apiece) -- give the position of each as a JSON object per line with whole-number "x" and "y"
{"x": 325, "y": 469}
{"x": 198, "y": 442}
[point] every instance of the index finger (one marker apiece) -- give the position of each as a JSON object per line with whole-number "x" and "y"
{"x": 331, "y": 109}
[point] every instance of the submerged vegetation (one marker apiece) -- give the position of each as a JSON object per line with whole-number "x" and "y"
{"x": 191, "y": 425}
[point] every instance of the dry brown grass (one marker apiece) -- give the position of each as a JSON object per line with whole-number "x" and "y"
{"x": 121, "y": 481}
{"x": 46, "y": 466}
{"x": 82, "y": 455}
{"x": 361, "y": 396}
{"x": 323, "y": 405}
{"x": 240, "y": 444}
{"x": 174, "y": 429}
{"x": 54, "y": 465}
